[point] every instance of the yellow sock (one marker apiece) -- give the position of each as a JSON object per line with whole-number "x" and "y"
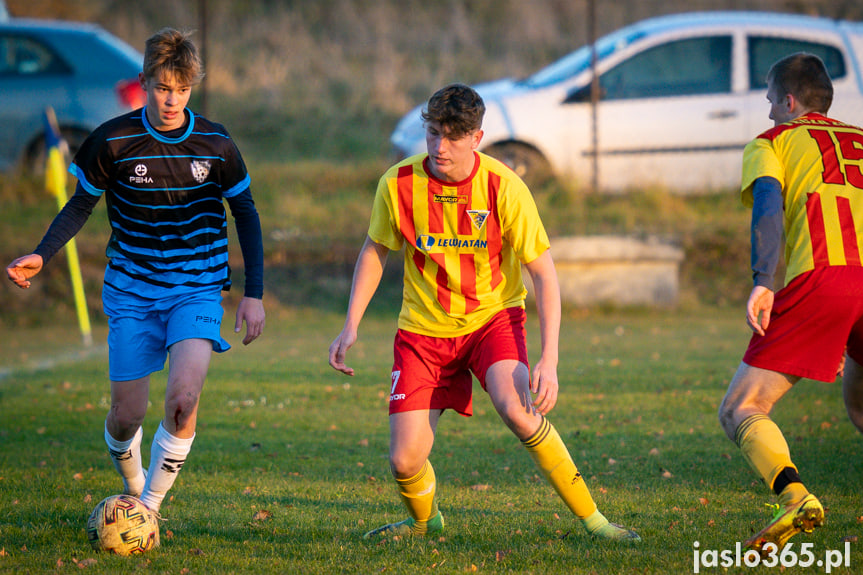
{"x": 418, "y": 493}
{"x": 551, "y": 456}
{"x": 765, "y": 450}
{"x": 793, "y": 493}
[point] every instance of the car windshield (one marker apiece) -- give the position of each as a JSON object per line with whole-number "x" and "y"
{"x": 578, "y": 61}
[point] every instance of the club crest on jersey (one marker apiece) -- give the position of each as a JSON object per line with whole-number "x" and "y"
{"x": 478, "y": 218}
{"x": 200, "y": 170}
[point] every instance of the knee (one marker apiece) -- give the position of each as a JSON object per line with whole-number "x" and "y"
{"x": 521, "y": 420}
{"x": 855, "y": 414}
{"x": 732, "y": 412}
{"x": 180, "y": 407}
{"x": 126, "y": 417}
{"x": 852, "y": 392}
{"x": 404, "y": 463}
{"x": 853, "y": 404}
{"x": 727, "y": 417}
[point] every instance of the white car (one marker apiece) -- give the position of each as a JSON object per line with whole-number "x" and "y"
{"x": 679, "y": 98}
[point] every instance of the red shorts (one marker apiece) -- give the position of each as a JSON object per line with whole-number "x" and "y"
{"x": 435, "y": 372}
{"x": 814, "y": 318}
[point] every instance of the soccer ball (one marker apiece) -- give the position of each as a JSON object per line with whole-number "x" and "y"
{"x": 122, "y": 524}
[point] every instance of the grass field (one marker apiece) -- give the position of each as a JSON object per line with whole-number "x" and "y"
{"x": 289, "y": 467}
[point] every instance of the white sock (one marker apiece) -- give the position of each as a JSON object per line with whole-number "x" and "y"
{"x": 126, "y": 456}
{"x": 167, "y": 456}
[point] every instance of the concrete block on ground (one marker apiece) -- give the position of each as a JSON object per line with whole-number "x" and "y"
{"x": 616, "y": 270}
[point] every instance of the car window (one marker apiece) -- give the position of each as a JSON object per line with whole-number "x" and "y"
{"x": 578, "y": 61}
{"x": 22, "y": 56}
{"x": 680, "y": 68}
{"x": 765, "y": 51}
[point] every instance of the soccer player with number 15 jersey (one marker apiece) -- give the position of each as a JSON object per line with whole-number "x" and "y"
{"x": 803, "y": 178}
{"x": 467, "y": 223}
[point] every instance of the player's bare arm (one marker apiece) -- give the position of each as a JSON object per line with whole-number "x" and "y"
{"x": 250, "y": 310}
{"x": 22, "y": 269}
{"x": 367, "y": 277}
{"x": 544, "y": 383}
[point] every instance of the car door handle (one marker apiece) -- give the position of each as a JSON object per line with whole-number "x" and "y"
{"x": 722, "y": 115}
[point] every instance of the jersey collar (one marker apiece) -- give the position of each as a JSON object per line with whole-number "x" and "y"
{"x": 161, "y": 135}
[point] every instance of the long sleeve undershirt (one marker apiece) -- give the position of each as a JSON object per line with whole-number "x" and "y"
{"x": 77, "y": 210}
{"x": 248, "y": 225}
{"x": 767, "y": 230}
{"x": 67, "y": 223}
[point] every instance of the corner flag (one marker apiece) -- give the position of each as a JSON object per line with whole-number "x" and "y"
{"x": 55, "y": 183}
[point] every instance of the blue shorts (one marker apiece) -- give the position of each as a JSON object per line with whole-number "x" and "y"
{"x": 140, "y": 330}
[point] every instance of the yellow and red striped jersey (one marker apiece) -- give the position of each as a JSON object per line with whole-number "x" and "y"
{"x": 464, "y": 242}
{"x": 819, "y": 163}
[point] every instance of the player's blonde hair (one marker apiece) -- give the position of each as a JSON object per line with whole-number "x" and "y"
{"x": 170, "y": 51}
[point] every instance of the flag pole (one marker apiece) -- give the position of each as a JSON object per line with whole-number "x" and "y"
{"x": 55, "y": 182}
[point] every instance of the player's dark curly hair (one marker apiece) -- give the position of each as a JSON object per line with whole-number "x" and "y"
{"x": 172, "y": 51}
{"x": 804, "y": 76}
{"x": 457, "y": 108}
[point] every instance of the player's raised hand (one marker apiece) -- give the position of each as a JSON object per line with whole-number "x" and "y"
{"x": 22, "y": 269}
{"x": 339, "y": 348}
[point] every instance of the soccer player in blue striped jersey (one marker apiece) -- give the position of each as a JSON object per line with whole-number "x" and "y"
{"x": 164, "y": 172}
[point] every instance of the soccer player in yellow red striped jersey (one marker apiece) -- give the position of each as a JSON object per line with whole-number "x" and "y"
{"x": 165, "y": 173}
{"x": 466, "y": 223}
{"x": 802, "y": 177}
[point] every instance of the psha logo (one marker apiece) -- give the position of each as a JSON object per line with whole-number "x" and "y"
{"x": 140, "y": 176}
{"x": 206, "y": 319}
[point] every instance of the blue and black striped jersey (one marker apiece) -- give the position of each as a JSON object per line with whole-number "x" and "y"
{"x": 164, "y": 197}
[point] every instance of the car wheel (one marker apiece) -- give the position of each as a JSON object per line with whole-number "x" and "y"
{"x": 34, "y": 162}
{"x": 526, "y": 161}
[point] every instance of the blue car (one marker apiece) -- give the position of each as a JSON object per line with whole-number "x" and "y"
{"x": 80, "y": 70}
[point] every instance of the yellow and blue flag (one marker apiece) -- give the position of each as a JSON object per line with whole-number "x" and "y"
{"x": 55, "y": 163}
{"x": 55, "y": 183}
